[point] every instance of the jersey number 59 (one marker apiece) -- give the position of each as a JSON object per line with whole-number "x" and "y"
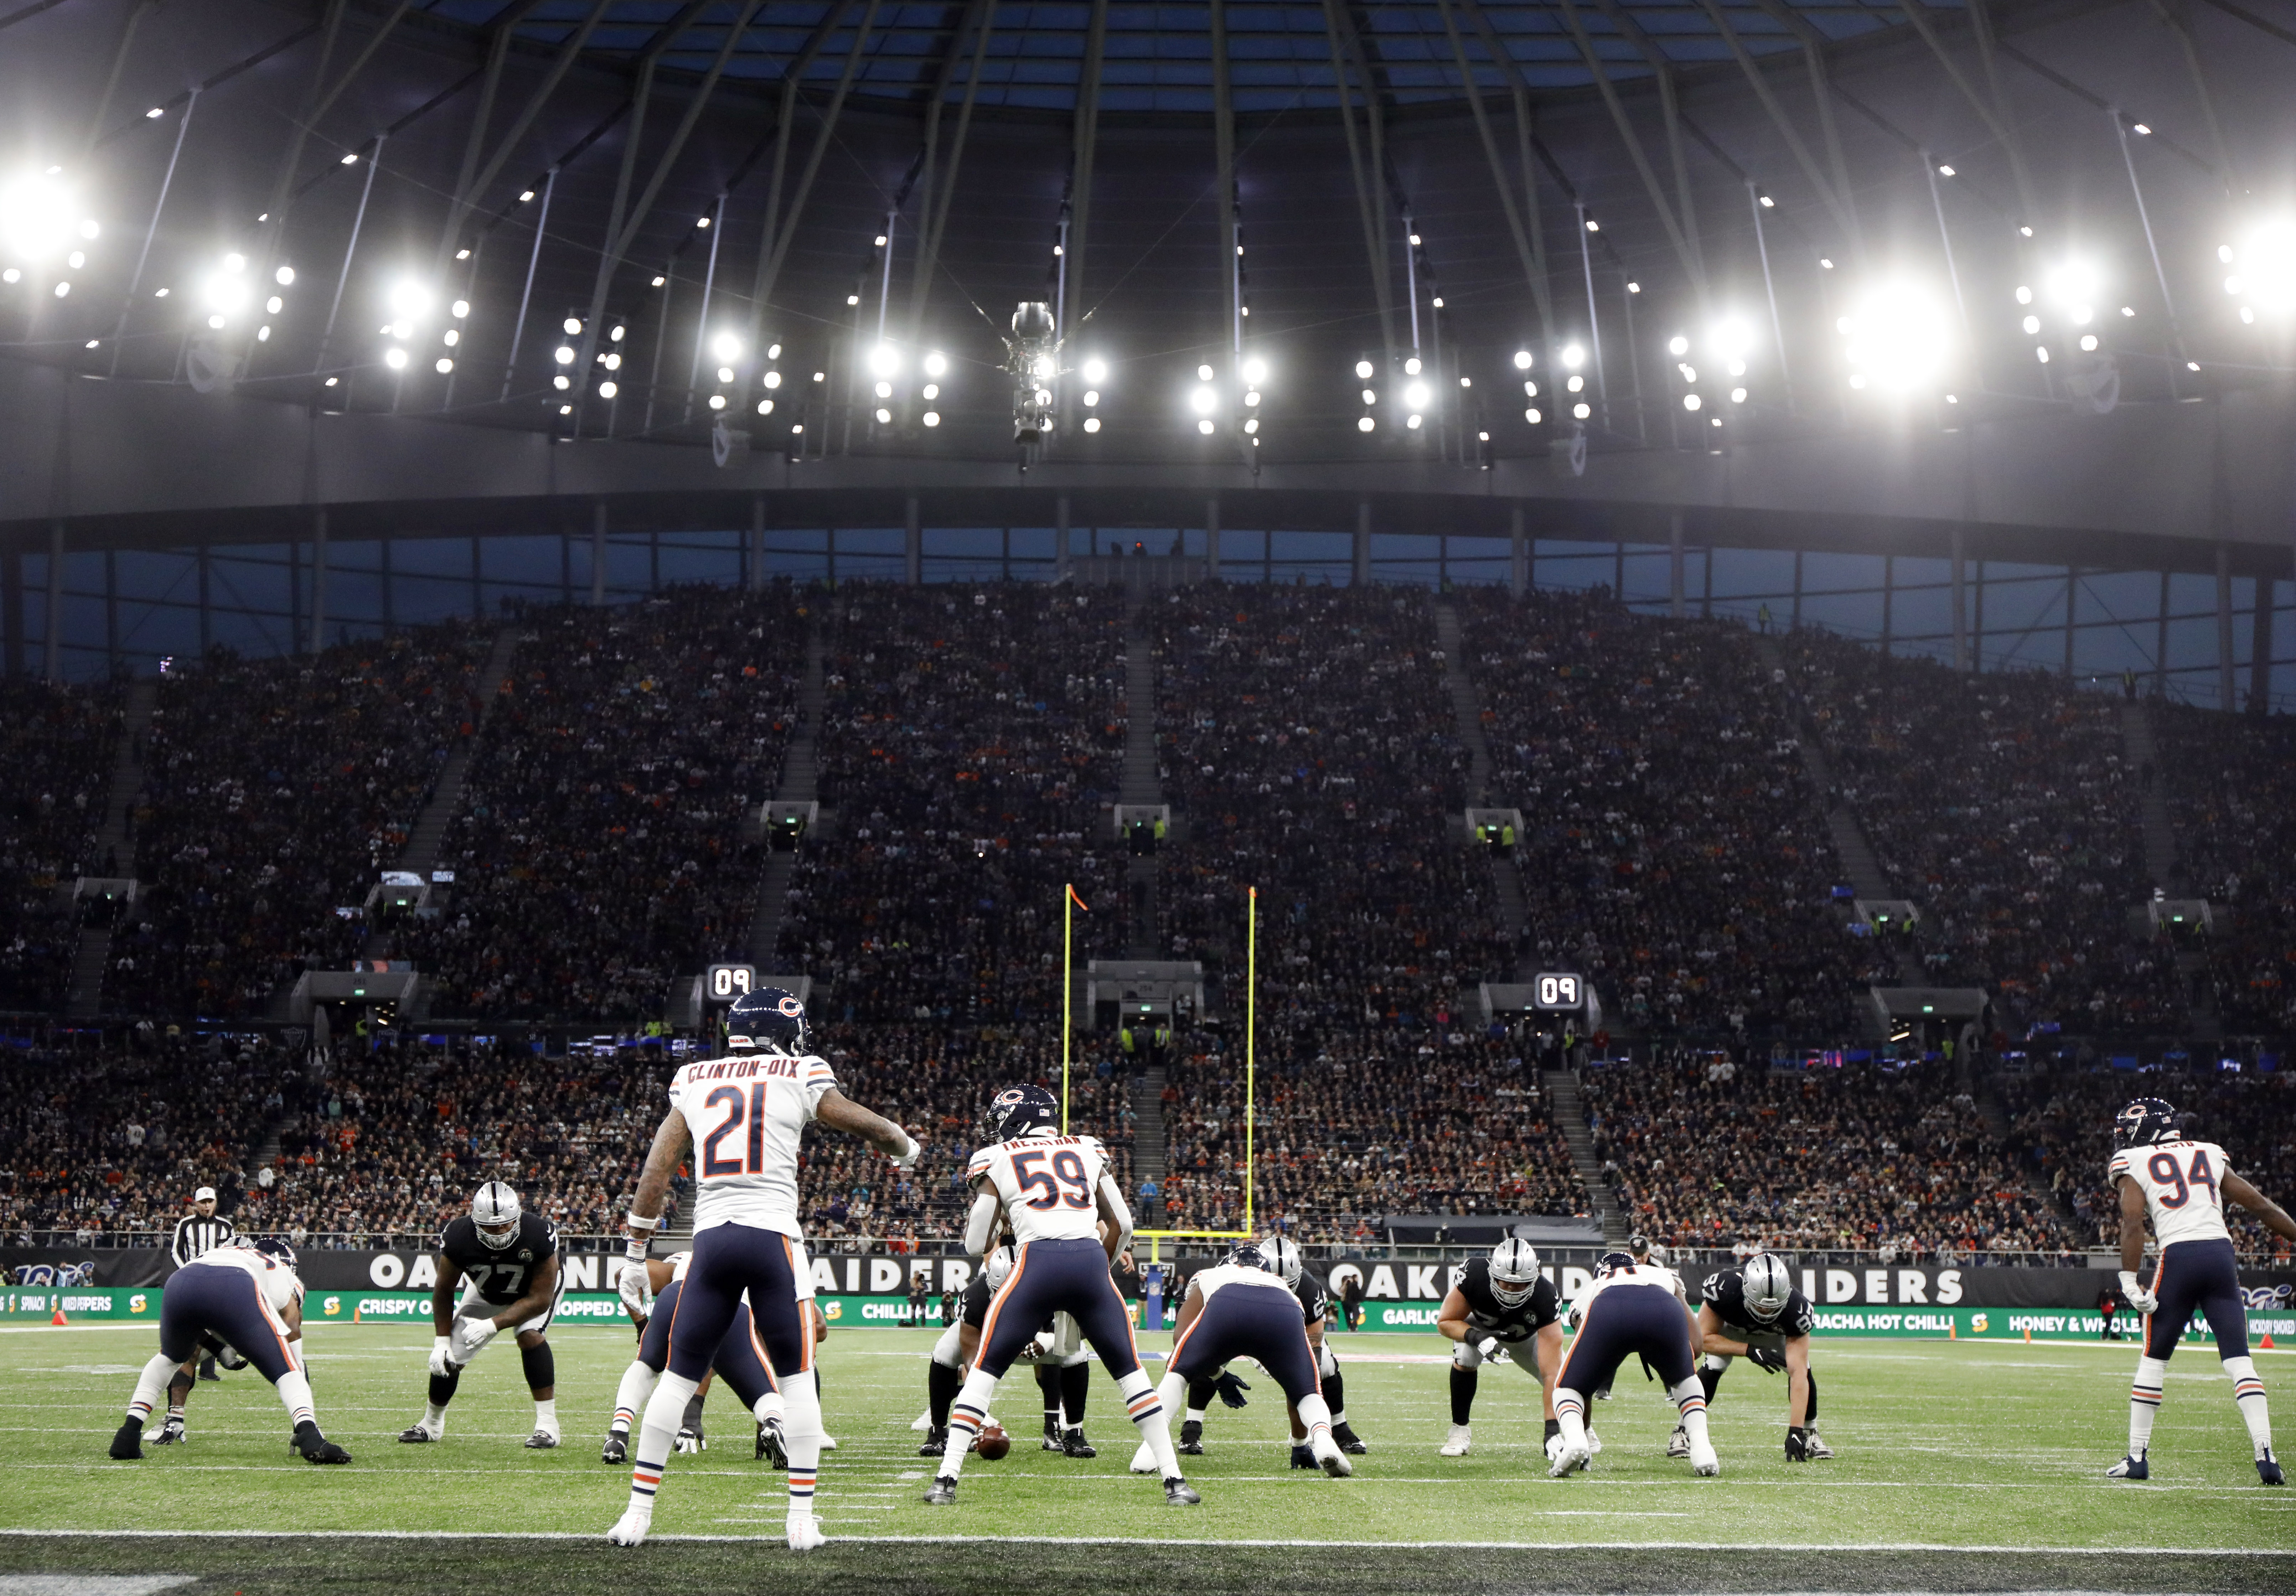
{"x": 2164, "y": 1170}
{"x": 1064, "y": 1187}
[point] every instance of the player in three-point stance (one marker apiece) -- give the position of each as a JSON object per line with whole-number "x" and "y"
{"x": 1502, "y": 1304}
{"x": 1052, "y": 1192}
{"x": 953, "y": 1354}
{"x": 743, "y": 1115}
{"x": 1630, "y": 1309}
{"x": 247, "y": 1294}
{"x": 739, "y": 1362}
{"x": 1241, "y": 1308}
{"x": 1758, "y": 1314}
{"x": 2181, "y": 1185}
{"x": 1282, "y": 1255}
{"x": 510, "y": 1259}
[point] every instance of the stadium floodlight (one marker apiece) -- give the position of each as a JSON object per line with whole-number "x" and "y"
{"x": 1690, "y": 401}
{"x": 1578, "y": 384}
{"x": 572, "y": 325}
{"x": 607, "y": 391}
{"x": 1096, "y": 371}
{"x": 1737, "y": 396}
{"x": 2267, "y": 262}
{"x": 936, "y": 364}
{"x": 285, "y": 278}
{"x": 275, "y": 305}
{"x": 1582, "y": 411}
{"x": 727, "y": 347}
{"x": 1732, "y": 338}
{"x": 1523, "y": 360}
{"x": 1900, "y": 337}
{"x": 716, "y": 401}
{"x": 1411, "y": 366}
{"x": 2076, "y": 285}
{"x": 1417, "y": 396}
{"x": 1251, "y": 397}
{"x": 1091, "y": 424}
{"x": 1205, "y": 426}
{"x": 395, "y": 358}
{"x": 772, "y": 379}
{"x": 562, "y": 382}
{"x": 883, "y": 390}
{"x": 1677, "y": 345}
{"x": 1363, "y": 373}
{"x": 443, "y": 365}
{"x": 1203, "y": 374}
{"x": 38, "y": 218}
{"x": 1414, "y": 421}
{"x": 932, "y": 418}
{"x": 1531, "y": 415}
{"x": 725, "y": 374}
{"x": 1045, "y": 369}
{"x": 1574, "y": 356}
{"x": 1204, "y": 400}
{"x": 1363, "y": 423}
{"x": 884, "y": 361}
{"x": 884, "y": 416}
{"x": 408, "y": 300}
{"x": 564, "y": 354}
{"x": 1255, "y": 372}
{"x": 226, "y": 291}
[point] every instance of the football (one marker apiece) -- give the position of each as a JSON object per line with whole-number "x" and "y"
{"x": 994, "y": 1443}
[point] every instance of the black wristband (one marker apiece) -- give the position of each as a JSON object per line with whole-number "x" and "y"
{"x": 1553, "y": 1428}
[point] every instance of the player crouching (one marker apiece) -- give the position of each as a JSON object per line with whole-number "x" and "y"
{"x": 248, "y": 1295}
{"x": 1630, "y": 1309}
{"x": 510, "y": 1259}
{"x": 740, "y": 1362}
{"x": 1241, "y": 1308}
{"x": 1757, "y": 1313}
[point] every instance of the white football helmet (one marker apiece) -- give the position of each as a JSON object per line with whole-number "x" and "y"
{"x": 1769, "y": 1283}
{"x": 997, "y": 1268}
{"x": 1282, "y": 1255}
{"x": 1514, "y": 1272}
{"x": 494, "y": 1210}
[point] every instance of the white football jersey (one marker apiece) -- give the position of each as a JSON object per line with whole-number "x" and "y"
{"x": 2182, "y": 1181}
{"x": 1640, "y": 1275}
{"x": 280, "y": 1286}
{"x": 1222, "y": 1275}
{"x": 1045, "y": 1182}
{"x": 748, "y": 1112}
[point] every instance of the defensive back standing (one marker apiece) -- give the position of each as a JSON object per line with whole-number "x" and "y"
{"x": 2180, "y": 1185}
{"x": 743, "y": 1115}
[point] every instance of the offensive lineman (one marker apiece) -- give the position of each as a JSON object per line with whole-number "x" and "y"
{"x": 247, "y": 1294}
{"x": 1241, "y": 1308}
{"x": 740, "y": 1362}
{"x": 1282, "y": 1256}
{"x": 1758, "y": 1314}
{"x": 1502, "y": 1303}
{"x": 510, "y": 1259}
{"x": 1629, "y": 1309}
{"x": 953, "y": 1354}
{"x": 2181, "y": 1185}
{"x": 1053, "y": 1191}
{"x": 742, "y": 1116}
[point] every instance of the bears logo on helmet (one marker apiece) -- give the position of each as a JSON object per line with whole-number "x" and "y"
{"x": 1018, "y": 1111}
{"x": 1246, "y": 1254}
{"x": 771, "y": 1018}
{"x": 2142, "y": 1122}
{"x": 1614, "y": 1263}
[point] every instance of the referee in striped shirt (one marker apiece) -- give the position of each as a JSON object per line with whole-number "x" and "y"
{"x": 197, "y": 1232}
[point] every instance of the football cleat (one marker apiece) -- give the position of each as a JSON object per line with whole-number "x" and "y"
{"x": 1459, "y": 1441}
{"x": 829, "y": 1442}
{"x": 128, "y": 1441}
{"x": 1144, "y": 1462}
{"x": 1677, "y": 1444}
{"x": 1179, "y": 1493}
{"x": 1349, "y": 1442}
{"x": 630, "y": 1528}
{"x": 1074, "y": 1445}
{"x": 943, "y": 1493}
{"x": 922, "y": 1421}
{"x": 1051, "y": 1433}
{"x": 1702, "y": 1461}
{"x": 1594, "y": 1443}
{"x": 936, "y": 1443}
{"x": 2267, "y": 1469}
{"x": 541, "y": 1440}
{"x": 1568, "y": 1459}
{"x": 1192, "y": 1438}
{"x": 415, "y": 1434}
{"x": 2132, "y": 1466}
{"x": 315, "y": 1447}
{"x": 171, "y": 1432}
{"x": 1328, "y": 1457}
{"x": 1303, "y": 1456}
{"x": 773, "y": 1443}
{"x": 617, "y": 1449}
{"x": 804, "y": 1532}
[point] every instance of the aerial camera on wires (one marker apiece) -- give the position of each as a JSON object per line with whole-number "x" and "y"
{"x": 1032, "y": 355}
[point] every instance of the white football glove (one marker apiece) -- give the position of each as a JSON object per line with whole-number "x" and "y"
{"x": 442, "y": 1355}
{"x": 907, "y": 1160}
{"x": 470, "y": 1335}
{"x": 2136, "y": 1295}
{"x": 632, "y": 1288}
{"x": 690, "y": 1442}
{"x": 1492, "y": 1350}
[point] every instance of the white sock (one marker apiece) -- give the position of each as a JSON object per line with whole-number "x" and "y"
{"x": 965, "y": 1420}
{"x": 151, "y": 1386}
{"x": 801, "y": 1427}
{"x": 1316, "y": 1414}
{"x": 294, "y": 1389}
{"x": 630, "y": 1399}
{"x": 1570, "y": 1412}
{"x": 2248, "y": 1395}
{"x": 434, "y": 1418}
{"x": 2145, "y": 1403}
{"x": 771, "y": 1406}
{"x": 665, "y": 1411}
{"x": 1690, "y": 1398}
{"x": 545, "y": 1414}
{"x": 1151, "y": 1418}
{"x": 1188, "y": 1415}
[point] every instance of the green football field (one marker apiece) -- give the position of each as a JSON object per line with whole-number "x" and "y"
{"x": 1961, "y": 1466}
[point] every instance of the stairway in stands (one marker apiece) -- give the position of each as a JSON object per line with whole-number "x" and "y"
{"x": 1141, "y": 782}
{"x": 1514, "y": 909}
{"x": 800, "y": 783}
{"x": 2163, "y": 862}
{"x": 1568, "y": 1106}
{"x": 93, "y": 957}
{"x": 1148, "y": 1127}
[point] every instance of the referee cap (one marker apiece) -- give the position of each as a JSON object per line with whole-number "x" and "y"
{"x": 204, "y": 1194}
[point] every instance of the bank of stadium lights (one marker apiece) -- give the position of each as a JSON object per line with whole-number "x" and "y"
{"x": 1899, "y": 338}
{"x": 1532, "y": 413}
{"x": 2263, "y": 276}
{"x": 1094, "y": 372}
{"x": 41, "y": 227}
{"x": 772, "y": 379}
{"x": 565, "y": 355}
{"x": 1367, "y": 423}
{"x": 1573, "y": 357}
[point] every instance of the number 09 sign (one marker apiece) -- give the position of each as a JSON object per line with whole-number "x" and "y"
{"x": 1561, "y": 993}
{"x": 723, "y": 983}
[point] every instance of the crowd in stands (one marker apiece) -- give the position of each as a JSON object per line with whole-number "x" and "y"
{"x": 969, "y": 752}
{"x": 607, "y": 840}
{"x": 1674, "y": 849}
{"x": 56, "y": 751}
{"x": 2001, "y": 805}
{"x": 1704, "y": 1151}
{"x": 2230, "y": 784}
{"x": 275, "y": 793}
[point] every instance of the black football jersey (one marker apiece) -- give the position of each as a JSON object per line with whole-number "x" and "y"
{"x": 1725, "y": 1292}
{"x": 501, "y": 1274}
{"x": 976, "y": 1300}
{"x": 1314, "y": 1306}
{"x": 1487, "y": 1313}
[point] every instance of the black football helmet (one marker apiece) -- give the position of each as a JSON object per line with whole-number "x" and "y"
{"x": 771, "y": 1018}
{"x": 1247, "y": 1255}
{"x": 2143, "y": 1122}
{"x": 1018, "y": 1111}
{"x": 275, "y": 1248}
{"x": 1613, "y": 1263}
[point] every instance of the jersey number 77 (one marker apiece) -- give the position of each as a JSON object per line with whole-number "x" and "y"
{"x": 1063, "y": 1186}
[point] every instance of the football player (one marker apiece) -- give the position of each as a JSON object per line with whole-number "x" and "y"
{"x": 1501, "y": 1304}
{"x": 740, "y": 1362}
{"x": 952, "y": 1354}
{"x": 742, "y": 1117}
{"x": 1630, "y": 1309}
{"x": 510, "y": 1260}
{"x": 1758, "y": 1314}
{"x": 247, "y": 1294}
{"x": 1064, "y": 1380}
{"x": 1283, "y": 1257}
{"x": 1241, "y": 1308}
{"x": 1052, "y": 1192}
{"x": 2182, "y": 1185}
